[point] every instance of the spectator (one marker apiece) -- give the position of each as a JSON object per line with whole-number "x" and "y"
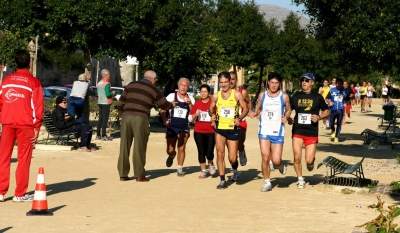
{"x": 21, "y": 113}
{"x": 77, "y": 97}
{"x": 67, "y": 124}
{"x": 105, "y": 100}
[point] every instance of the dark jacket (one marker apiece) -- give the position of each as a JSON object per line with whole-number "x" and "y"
{"x": 65, "y": 125}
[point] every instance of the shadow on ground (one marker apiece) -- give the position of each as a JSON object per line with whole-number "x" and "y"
{"x": 68, "y": 186}
{"x": 5, "y": 229}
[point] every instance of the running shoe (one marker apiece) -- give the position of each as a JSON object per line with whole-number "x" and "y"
{"x": 235, "y": 176}
{"x": 310, "y": 167}
{"x": 203, "y": 175}
{"x": 336, "y": 140}
{"x": 1, "y": 198}
{"x": 179, "y": 172}
{"x": 98, "y": 137}
{"x": 211, "y": 169}
{"x": 301, "y": 184}
{"x": 333, "y": 134}
{"x": 266, "y": 187}
{"x": 106, "y": 138}
{"x": 170, "y": 159}
{"x": 222, "y": 185}
{"x": 271, "y": 166}
{"x": 25, "y": 198}
{"x": 283, "y": 168}
{"x": 243, "y": 158}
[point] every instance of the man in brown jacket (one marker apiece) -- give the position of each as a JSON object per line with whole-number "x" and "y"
{"x": 134, "y": 107}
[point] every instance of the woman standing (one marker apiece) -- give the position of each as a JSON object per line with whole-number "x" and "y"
{"x": 204, "y": 131}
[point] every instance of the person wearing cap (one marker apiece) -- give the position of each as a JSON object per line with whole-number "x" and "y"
{"x": 21, "y": 114}
{"x": 63, "y": 121}
{"x": 76, "y": 100}
{"x": 336, "y": 99}
{"x": 307, "y": 104}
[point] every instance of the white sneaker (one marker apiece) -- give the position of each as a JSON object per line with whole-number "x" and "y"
{"x": 283, "y": 168}
{"x": 1, "y": 198}
{"x": 211, "y": 169}
{"x": 266, "y": 187}
{"x": 271, "y": 166}
{"x": 301, "y": 184}
{"x": 25, "y": 198}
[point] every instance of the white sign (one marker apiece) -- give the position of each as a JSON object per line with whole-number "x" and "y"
{"x": 131, "y": 60}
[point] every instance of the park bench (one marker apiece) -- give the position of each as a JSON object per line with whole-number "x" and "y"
{"x": 373, "y": 135}
{"x": 57, "y": 135}
{"x": 335, "y": 167}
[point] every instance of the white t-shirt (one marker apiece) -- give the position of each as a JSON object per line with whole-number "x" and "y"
{"x": 384, "y": 91}
{"x": 171, "y": 98}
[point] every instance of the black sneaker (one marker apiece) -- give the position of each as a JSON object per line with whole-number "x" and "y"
{"x": 105, "y": 138}
{"x": 310, "y": 167}
{"x": 170, "y": 160}
{"x": 222, "y": 185}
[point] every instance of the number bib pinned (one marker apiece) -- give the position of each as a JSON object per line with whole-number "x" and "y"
{"x": 270, "y": 114}
{"x": 180, "y": 112}
{"x": 227, "y": 112}
{"x": 304, "y": 118}
{"x": 204, "y": 116}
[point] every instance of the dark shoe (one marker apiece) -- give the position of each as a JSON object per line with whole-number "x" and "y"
{"x": 170, "y": 159}
{"x": 125, "y": 178}
{"x": 98, "y": 137}
{"x": 105, "y": 138}
{"x": 222, "y": 185}
{"x": 142, "y": 179}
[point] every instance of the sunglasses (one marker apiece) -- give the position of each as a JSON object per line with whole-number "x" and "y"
{"x": 305, "y": 80}
{"x": 64, "y": 102}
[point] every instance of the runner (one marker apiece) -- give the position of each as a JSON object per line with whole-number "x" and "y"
{"x": 353, "y": 99}
{"x": 204, "y": 132}
{"x": 358, "y": 95}
{"x": 336, "y": 100}
{"x": 347, "y": 105}
{"x": 224, "y": 110}
{"x": 370, "y": 94}
{"x": 324, "y": 90}
{"x": 333, "y": 84}
{"x": 384, "y": 94}
{"x": 273, "y": 107}
{"x": 177, "y": 129}
{"x": 363, "y": 96}
{"x": 307, "y": 105}
{"x": 243, "y": 123}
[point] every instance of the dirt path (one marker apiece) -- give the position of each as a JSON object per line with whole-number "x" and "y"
{"x": 85, "y": 194}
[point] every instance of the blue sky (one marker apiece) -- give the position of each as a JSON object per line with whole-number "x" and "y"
{"x": 283, "y": 3}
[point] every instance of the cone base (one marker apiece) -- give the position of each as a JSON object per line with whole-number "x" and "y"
{"x": 39, "y": 213}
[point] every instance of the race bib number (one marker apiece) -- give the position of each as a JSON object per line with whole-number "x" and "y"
{"x": 338, "y": 98}
{"x": 271, "y": 115}
{"x": 180, "y": 113}
{"x": 204, "y": 116}
{"x": 227, "y": 112}
{"x": 304, "y": 118}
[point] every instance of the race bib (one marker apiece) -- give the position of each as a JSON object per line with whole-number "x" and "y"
{"x": 204, "y": 116}
{"x": 304, "y": 118}
{"x": 179, "y": 112}
{"x": 227, "y": 112}
{"x": 270, "y": 114}
{"x": 338, "y": 98}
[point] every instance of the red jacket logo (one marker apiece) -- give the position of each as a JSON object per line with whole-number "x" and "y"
{"x": 12, "y": 95}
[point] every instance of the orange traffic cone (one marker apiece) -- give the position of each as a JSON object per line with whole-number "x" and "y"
{"x": 39, "y": 205}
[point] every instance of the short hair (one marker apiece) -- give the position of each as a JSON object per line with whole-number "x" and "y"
{"x": 326, "y": 80}
{"x": 150, "y": 74}
{"x": 339, "y": 80}
{"x": 224, "y": 74}
{"x": 206, "y": 87}
{"x": 22, "y": 59}
{"x": 232, "y": 72}
{"x": 104, "y": 72}
{"x": 183, "y": 78}
{"x": 274, "y": 75}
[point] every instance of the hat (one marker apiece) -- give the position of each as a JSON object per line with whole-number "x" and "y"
{"x": 60, "y": 99}
{"x": 82, "y": 77}
{"x": 308, "y": 76}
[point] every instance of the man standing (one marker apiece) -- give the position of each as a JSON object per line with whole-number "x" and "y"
{"x": 21, "y": 113}
{"x": 307, "y": 105}
{"x": 177, "y": 123}
{"x": 336, "y": 100}
{"x": 134, "y": 107}
{"x": 243, "y": 123}
{"x": 224, "y": 111}
{"x": 273, "y": 107}
{"x": 105, "y": 100}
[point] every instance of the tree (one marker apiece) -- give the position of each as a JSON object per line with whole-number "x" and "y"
{"x": 364, "y": 36}
{"x": 9, "y": 44}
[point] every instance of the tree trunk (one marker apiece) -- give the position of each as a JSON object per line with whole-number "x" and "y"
{"x": 254, "y": 102}
{"x": 88, "y": 69}
{"x": 140, "y": 68}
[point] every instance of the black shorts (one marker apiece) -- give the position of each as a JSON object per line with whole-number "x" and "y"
{"x": 173, "y": 132}
{"x": 384, "y": 96}
{"x": 230, "y": 134}
{"x": 363, "y": 96}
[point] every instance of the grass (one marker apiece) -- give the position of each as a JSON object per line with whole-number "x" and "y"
{"x": 347, "y": 191}
{"x": 395, "y": 186}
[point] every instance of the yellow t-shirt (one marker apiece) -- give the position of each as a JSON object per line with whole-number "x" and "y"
{"x": 325, "y": 91}
{"x": 227, "y": 111}
{"x": 363, "y": 90}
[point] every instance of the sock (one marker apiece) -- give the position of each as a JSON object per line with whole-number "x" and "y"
{"x": 222, "y": 177}
{"x": 300, "y": 178}
{"x": 267, "y": 181}
{"x": 235, "y": 165}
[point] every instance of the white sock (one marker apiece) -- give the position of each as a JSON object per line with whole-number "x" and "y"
{"x": 300, "y": 178}
{"x": 267, "y": 181}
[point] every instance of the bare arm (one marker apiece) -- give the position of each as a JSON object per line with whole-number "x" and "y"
{"x": 257, "y": 111}
{"x": 212, "y": 105}
{"x": 288, "y": 109}
{"x": 243, "y": 104}
{"x": 246, "y": 97}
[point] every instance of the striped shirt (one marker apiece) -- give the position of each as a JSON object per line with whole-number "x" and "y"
{"x": 138, "y": 98}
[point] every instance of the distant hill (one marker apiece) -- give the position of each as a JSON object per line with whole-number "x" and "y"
{"x": 280, "y": 13}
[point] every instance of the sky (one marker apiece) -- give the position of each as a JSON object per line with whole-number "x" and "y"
{"x": 282, "y": 3}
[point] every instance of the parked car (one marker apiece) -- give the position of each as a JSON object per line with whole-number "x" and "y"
{"x": 47, "y": 94}
{"x": 118, "y": 92}
{"x": 59, "y": 91}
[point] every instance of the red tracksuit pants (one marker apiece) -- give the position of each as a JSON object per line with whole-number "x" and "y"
{"x": 25, "y": 148}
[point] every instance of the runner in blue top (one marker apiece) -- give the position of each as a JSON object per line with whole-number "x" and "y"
{"x": 336, "y": 102}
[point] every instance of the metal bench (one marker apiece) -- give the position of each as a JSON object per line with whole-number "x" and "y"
{"x": 58, "y": 136}
{"x": 335, "y": 167}
{"x": 373, "y": 135}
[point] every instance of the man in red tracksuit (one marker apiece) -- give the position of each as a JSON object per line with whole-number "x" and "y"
{"x": 21, "y": 113}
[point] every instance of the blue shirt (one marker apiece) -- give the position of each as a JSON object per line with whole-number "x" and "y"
{"x": 337, "y": 97}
